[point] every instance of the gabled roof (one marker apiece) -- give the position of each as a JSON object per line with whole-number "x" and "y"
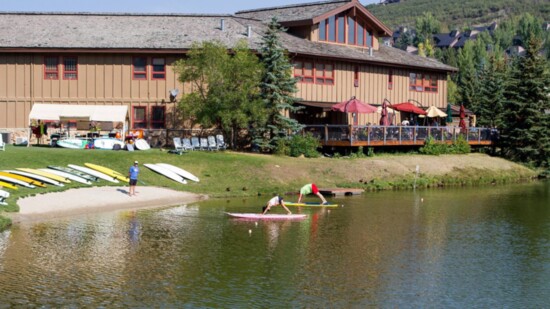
{"x": 117, "y": 33}
{"x": 312, "y": 13}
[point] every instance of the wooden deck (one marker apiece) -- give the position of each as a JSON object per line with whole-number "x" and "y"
{"x": 341, "y": 191}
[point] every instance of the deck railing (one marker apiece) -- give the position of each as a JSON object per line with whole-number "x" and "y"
{"x": 348, "y": 135}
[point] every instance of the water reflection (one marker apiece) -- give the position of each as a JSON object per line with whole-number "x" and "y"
{"x": 455, "y": 248}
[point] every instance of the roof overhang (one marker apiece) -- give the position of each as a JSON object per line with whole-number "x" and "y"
{"x": 62, "y": 112}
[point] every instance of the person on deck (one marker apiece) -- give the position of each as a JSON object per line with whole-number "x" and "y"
{"x": 277, "y": 200}
{"x": 133, "y": 175}
{"x": 311, "y": 188}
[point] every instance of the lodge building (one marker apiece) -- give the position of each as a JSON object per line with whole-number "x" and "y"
{"x": 336, "y": 48}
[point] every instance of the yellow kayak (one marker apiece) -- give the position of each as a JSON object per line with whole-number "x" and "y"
{"x": 108, "y": 171}
{"x": 45, "y": 174}
{"x": 7, "y": 185}
{"x": 24, "y": 179}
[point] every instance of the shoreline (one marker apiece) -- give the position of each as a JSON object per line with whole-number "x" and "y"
{"x": 80, "y": 201}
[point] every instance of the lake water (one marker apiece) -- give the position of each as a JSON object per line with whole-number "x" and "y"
{"x": 452, "y": 248}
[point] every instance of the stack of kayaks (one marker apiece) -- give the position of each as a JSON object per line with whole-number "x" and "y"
{"x": 20, "y": 180}
{"x": 94, "y": 173}
{"x": 66, "y": 175}
{"x": 38, "y": 178}
{"x": 72, "y": 171}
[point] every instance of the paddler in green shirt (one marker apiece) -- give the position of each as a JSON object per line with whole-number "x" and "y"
{"x": 311, "y": 188}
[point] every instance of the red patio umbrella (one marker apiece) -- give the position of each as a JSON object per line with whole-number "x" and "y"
{"x": 354, "y": 106}
{"x": 384, "y": 121}
{"x": 462, "y": 123}
{"x": 408, "y": 108}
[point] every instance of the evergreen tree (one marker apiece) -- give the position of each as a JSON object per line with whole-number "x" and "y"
{"x": 404, "y": 40}
{"x": 526, "y": 133}
{"x": 490, "y": 100}
{"x": 467, "y": 80}
{"x": 277, "y": 88}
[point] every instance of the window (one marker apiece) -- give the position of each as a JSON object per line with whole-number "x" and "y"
{"x": 324, "y": 74}
{"x": 157, "y": 117}
{"x": 51, "y": 67}
{"x": 323, "y": 30}
{"x": 139, "y": 68}
{"x": 344, "y": 28}
{"x": 360, "y": 34}
{"x": 70, "y": 68}
{"x": 390, "y": 80}
{"x": 351, "y": 30}
{"x": 309, "y": 72}
{"x": 422, "y": 82}
{"x": 369, "y": 38}
{"x": 356, "y": 76}
{"x": 303, "y": 71}
{"x": 332, "y": 28}
{"x": 341, "y": 29}
{"x": 159, "y": 68}
{"x": 139, "y": 117}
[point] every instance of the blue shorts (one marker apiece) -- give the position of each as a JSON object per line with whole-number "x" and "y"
{"x": 133, "y": 182}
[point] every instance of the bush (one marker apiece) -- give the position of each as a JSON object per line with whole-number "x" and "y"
{"x": 304, "y": 145}
{"x": 431, "y": 147}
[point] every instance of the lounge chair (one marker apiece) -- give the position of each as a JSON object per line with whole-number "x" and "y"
{"x": 195, "y": 143}
{"x": 212, "y": 143}
{"x": 204, "y": 143}
{"x": 2, "y": 144}
{"x": 186, "y": 143}
{"x": 178, "y": 146}
{"x": 220, "y": 142}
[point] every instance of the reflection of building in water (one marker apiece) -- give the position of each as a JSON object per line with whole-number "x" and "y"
{"x": 274, "y": 229}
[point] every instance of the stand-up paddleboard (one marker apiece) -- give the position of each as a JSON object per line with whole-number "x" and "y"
{"x": 72, "y": 143}
{"x": 183, "y": 173}
{"x": 310, "y": 204}
{"x": 107, "y": 143}
{"x": 73, "y": 172}
{"x": 17, "y": 182}
{"x": 142, "y": 144}
{"x": 66, "y": 175}
{"x": 108, "y": 171}
{"x": 4, "y": 194}
{"x": 166, "y": 172}
{"x": 45, "y": 174}
{"x": 37, "y": 178}
{"x": 8, "y": 185}
{"x": 93, "y": 173}
{"x": 266, "y": 216}
{"x": 27, "y": 180}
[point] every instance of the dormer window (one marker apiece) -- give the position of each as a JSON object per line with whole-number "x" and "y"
{"x": 345, "y": 29}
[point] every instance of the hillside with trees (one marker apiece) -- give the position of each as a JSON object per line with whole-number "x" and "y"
{"x": 458, "y": 14}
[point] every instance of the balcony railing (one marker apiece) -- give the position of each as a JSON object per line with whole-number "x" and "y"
{"x": 348, "y": 135}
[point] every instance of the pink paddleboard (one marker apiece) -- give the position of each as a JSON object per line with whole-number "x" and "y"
{"x": 266, "y": 216}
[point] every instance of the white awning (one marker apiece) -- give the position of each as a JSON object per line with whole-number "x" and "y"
{"x": 56, "y": 112}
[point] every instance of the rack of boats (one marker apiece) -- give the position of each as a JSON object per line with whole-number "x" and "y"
{"x": 105, "y": 143}
{"x": 87, "y": 174}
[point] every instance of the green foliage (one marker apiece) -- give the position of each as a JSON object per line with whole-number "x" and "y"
{"x": 304, "y": 145}
{"x": 432, "y": 147}
{"x": 225, "y": 87}
{"x": 526, "y": 127}
{"x": 277, "y": 91}
{"x": 488, "y": 105}
{"x": 426, "y": 25}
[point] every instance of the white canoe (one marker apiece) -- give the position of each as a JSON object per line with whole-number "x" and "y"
{"x": 142, "y": 144}
{"x": 66, "y": 175}
{"x": 256, "y": 216}
{"x": 92, "y": 172}
{"x": 72, "y": 143}
{"x": 166, "y": 172}
{"x": 17, "y": 182}
{"x": 37, "y": 177}
{"x": 107, "y": 143}
{"x": 183, "y": 173}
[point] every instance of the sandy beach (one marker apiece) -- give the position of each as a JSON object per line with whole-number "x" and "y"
{"x": 98, "y": 199}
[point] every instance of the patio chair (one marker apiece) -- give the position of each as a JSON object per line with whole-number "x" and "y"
{"x": 212, "y": 143}
{"x": 204, "y": 143}
{"x": 195, "y": 143}
{"x": 2, "y": 144}
{"x": 220, "y": 142}
{"x": 186, "y": 143}
{"x": 178, "y": 146}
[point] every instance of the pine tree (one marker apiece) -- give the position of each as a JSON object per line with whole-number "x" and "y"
{"x": 526, "y": 134}
{"x": 490, "y": 100}
{"x": 277, "y": 89}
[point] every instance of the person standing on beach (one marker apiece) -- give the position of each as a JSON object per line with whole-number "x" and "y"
{"x": 311, "y": 188}
{"x": 133, "y": 175}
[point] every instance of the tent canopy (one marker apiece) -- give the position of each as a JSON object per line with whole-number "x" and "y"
{"x": 57, "y": 112}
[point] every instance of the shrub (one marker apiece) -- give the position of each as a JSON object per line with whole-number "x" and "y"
{"x": 431, "y": 147}
{"x": 304, "y": 145}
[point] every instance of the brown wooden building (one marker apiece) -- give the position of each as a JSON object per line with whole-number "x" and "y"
{"x": 114, "y": 59}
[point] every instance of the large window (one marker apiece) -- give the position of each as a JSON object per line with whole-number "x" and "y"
{"x": 139, "y": 117}
{"x": 422, "y": 82}
{"x": 70, "y": 68}
{"x": 159, "y": 68}
{"x": 139, "y": 68}
{"x": 51, "y": 67}
{"x": 158, "y": 118}
{"x": 309, "y": 72}
{"x": 345, "y": 29}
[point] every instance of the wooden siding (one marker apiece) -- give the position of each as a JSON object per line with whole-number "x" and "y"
{"x": 102, "y": 79}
